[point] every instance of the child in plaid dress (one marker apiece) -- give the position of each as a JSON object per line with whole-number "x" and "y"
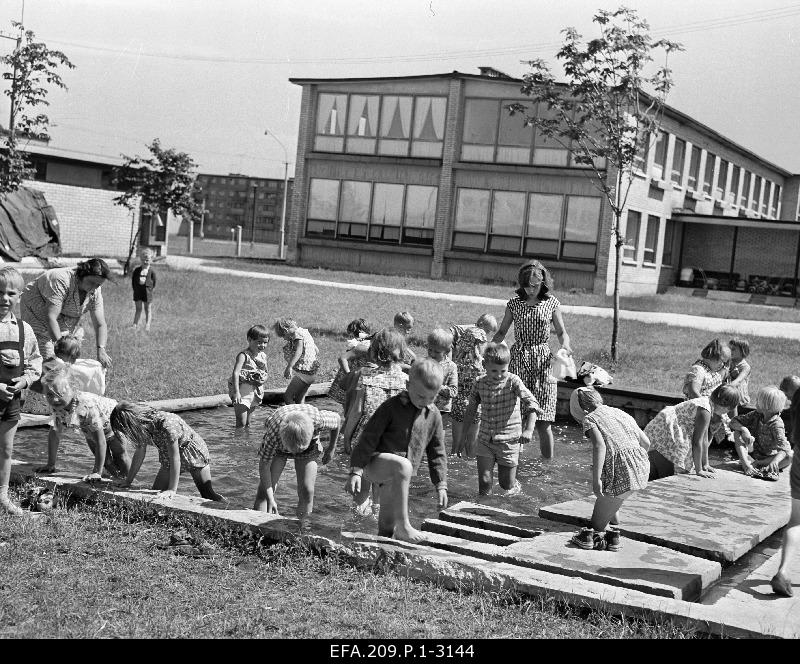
{"x": 619, "y": 464}
{"x": 301, "y": 355}
{"x": 353, "y": 358}
{"x": 468, "y": 357}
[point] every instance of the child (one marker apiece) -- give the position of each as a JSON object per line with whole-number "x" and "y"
{"x": 20, "y": 366}
{"x": 390, "y": 450}
{"x": 709, "y": 372}
{"x": 485, "y": 322}
{"x": 354, "y": 357}
{"x": 300, "y": 353}
{"x": 740, "y": 368}
{"x": 762, "y": 433}
{"x": 246, "y": 384}
{"x": 469, "y": 364}
{"x": 88, "y": 412}
{"x": 499, "y": 392}
{"x": 179, "y": 448}
{"x": 781, "y": 583}
{"x": 143, "y": 281}
{"x": 440, "y": 343}
{"x": 619, "y": 464}
{"x": 404, "y": 323}
{"x": 292, "y": 432}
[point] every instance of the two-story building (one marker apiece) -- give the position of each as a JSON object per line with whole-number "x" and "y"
{"x": 430, "y": 175}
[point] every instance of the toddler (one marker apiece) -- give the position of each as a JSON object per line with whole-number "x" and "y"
{"x": 761, "y": 432}
{"x": 353, "y": 358}
{"x": 740, "y": 368}
{"x": 499, "y": 392}
{"x": 143, "y": 281}
{"x": 246, "y": 384}
{"x": 292, "y": 432}
{"x": 469, "y": 364}
{"x": 389, "y": 452}
{"x": 404, "y": 323}
{"x": 20, "y": 366}
{"x": 440, "y": 343}
{"x": 619, "y": 464}
{"x": 300, "y": 353}
{"x": 180, "y": 449}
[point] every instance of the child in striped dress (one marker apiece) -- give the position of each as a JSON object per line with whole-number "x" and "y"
{"x": 468, "y": 357}
{"x": 740, "y": 368}
{"x": 353, "y": 358}
{"x": 301, "y": 355}
{"x": 619, "y": 464}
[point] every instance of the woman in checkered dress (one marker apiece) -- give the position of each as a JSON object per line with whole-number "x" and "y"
{"x": 532, "y": 311}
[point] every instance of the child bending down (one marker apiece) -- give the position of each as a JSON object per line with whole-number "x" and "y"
{"x": 180, "y": 449}
{"x": 292, "y": 432}
{"x": 390, "y": 450}
{"x": 499, "y": 393}
{"x": 619, "y": 464}
{"x": 246, "y": 384}
{"x": 353, "y": 358}
{"x": 300, "y": 353}
{"x": 761, "y": 433}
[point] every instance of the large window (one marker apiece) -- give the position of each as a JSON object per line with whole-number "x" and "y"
{"x": 669, "y": 242}
{"x": 508, "y": 219}
{"x": 744, "y": 197}
{"x": 472, "y": 214}
{"x": 708, "y": 174}
{"x": 757, "y": 187}
{"x": 548, "y": 151}
{"x": 694, "y": 168}
{"x": 733, "y": 192}
{"x": 776, "y": 200}
{"x": 543, "y": 234}
{"x": 480, "y": 129}
{"x": 420, "y": 215}
{"x": 640, "y": 158}
{"x": 580, "y": 228}
{"x": 354, "y": 209}
{"x": 387, "y": 211}
{"x": 631, "y": 247}
{"x": 678, "y": 161}
{"x": 651, "y": 239}
{"x": 362, "y": 124}
{"x": 323, "y": 206}
{"x": 660, "y": 155}
{"x": 429, "y": 116}
{"x": 331, "y": 111}
{"x": 765, "y": 198}
{"x": 513, "y": 137}
{"x": 395, "y": 133}
{"x": 722, "y": 179}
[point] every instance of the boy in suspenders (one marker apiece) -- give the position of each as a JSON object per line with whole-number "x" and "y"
{"x": 20, "y": 365}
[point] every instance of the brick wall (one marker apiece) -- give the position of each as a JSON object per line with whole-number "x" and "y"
{"x": 296, "y": 213}
{"x": 90, "y": 223}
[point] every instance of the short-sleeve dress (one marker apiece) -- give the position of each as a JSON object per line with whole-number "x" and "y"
{"x": 670, "y": 432}
{"x": 308, "y": 364}
{"x": 530, "y": 354}
{"x": 374, "y": 386}
{"x": 361, "y": 358}
{"x": 252, "y": 377}
{"x": 193, "y": 451}
{"x": 626, "y": 467}
{"x": 709, "y": 380}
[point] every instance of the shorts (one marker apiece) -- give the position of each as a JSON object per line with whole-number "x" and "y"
{"x": 307, "y": 378}
{"x": 193, "y": 455}
{"x": 504, "y": 453}
{"x": 313, "y": 451}
{"x": 251, "y": 395}
{"x": 142, "y": 294}
{"x": 10, "y": 410}
{"x": 794, "y": 476}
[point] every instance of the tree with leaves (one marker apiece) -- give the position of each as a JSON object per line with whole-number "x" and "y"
{"x": 166, "y": 180}
{"x": 30, "y": 70}
{"x": 606, "y": 111}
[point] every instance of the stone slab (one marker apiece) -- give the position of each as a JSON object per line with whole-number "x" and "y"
{"x": 719, "y": 519}
{"x": 528, "y": 522}
{"x": 482, "y": 535}
{"x": 486, "y": 523}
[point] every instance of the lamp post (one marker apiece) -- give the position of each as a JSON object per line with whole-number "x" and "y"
{"x": 253, "y": 228}
{"x": 285, "y": 191}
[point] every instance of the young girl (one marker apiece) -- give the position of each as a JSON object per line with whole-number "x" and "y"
{"x": 300, "y": 353}
{"x": 179, "y": 447}
{"x": 469, "y": 364}
{"x": 143, "y": 281}
{"x": 404, "y": 322}
{"x": 485, "y": 322}
{"x": 761, "y": 432}
{"x": 740, "y": 368}
{"x": 246, "y": 384}
{"x": 88, "y": 412}
{"x": 619, "y": 464}
{"x": 440, "y": 342}
{"x": 709, "y": 372}
{"x": 354, "y": 357}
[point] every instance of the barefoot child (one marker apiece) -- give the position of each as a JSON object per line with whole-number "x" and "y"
{"x": 143, "y": 281}
{"x": 20, "y": 365}
{"x": 300, "y": 353}
{"x": 180, "y": 449}
{"x": 500, "y": 393}
{"x": 740, "y": 368}
{"x": 619, "y": 464}
{"x": 761, "y": 432}
{"x": 353, "y": 358}
{"x": 468, "y": 357}
{"x": 292, "y": 432}
{"x": 485, "y": 322}
{"x": 404, "y": 323}
{"x": 246, "y": 384}
{"x": 390, "y": 450}
{"x": 439, "y": 344}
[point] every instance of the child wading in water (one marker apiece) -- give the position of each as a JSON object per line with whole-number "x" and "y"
{"x": 440, "y": 343}
{"x": 246, "y": 384}
{"x": 468, "y": 356}
{"x": 180, "y": 449}
{"x": 20, "y": 366}
{"x": 619, "y": 464}
{"x": 300, "y": 353}
{"x": 404, "y": 323}
{"x": 390, "y": 450}
{"x": 499, "y": 393}
{"x": 353, "y": 358}
{"x": 143, "y": 281}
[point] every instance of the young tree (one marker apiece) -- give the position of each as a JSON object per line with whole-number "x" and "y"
{"x": 30, "y": 69}
{"x": 164, "y": 180}
{"x": 607, "y": 111}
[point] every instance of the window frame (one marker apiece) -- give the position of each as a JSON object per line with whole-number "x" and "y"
{"x": 654, "y": 224}
{"x": 634, "y": 260}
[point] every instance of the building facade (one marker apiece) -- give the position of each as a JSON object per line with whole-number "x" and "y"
{"x": 255, "y": 204}
{"x": 430, "y": 175}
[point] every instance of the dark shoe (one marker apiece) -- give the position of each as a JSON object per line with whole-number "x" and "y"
{"x": 599, "y": 543}
{"x": 781, "y": 585}
{"x": 584, "y": 538}
{"x": 612, "y": 540}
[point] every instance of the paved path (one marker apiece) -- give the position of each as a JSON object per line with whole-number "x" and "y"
{"x": 741, "y": 327}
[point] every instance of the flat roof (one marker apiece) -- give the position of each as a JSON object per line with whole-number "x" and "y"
{"x": 675, "y": 113}
{"x": 740, "y": 222}
{"x": 74, "y": 155}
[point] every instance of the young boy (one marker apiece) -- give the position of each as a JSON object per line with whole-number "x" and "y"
{"x": 499, "y": 394}
{"x": 292, "y": 432}
{"x": 439, "y": 344}
{"x": 143, "y": 281}
{"x": 20, "y": 365}
{"x": 390, "y": 450}
{"x": 404, "y": 323}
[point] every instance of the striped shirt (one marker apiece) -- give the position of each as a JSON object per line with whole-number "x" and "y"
{"x": 322, "y": 420}
{"x": 9, "y": 331}
{"x": 500, "y": 413}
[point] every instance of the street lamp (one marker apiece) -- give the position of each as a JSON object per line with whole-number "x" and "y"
{"x": 267, "y": 132}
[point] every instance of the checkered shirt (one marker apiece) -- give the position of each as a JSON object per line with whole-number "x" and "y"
{"x": 501, "y": 421}
{"x": 322, "y": 419}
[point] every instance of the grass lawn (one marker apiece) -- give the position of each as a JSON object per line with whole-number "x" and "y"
{"x": 95, "y": 571}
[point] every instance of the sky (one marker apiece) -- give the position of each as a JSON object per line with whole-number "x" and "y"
{"x": 209, "y": 77}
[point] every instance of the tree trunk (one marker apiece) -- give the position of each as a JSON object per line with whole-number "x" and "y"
{"x": 617, "y": 269}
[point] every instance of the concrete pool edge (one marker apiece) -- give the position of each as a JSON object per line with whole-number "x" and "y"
{"x": 452, "y": 570}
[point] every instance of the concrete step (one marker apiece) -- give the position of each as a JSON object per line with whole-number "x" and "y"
{"x": 485, "y": 523}
{"x": 480, "y": 535}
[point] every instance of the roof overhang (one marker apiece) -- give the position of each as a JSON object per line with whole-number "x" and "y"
{"x": 736, "y": 222}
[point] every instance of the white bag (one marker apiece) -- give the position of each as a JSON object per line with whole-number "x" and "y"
{"x": 562, "y": 365}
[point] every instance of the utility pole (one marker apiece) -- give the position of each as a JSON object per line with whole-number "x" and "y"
{"x": 202, "y": 217}
{"x": 253, "y": 229}
{"x": 285, "y": 193}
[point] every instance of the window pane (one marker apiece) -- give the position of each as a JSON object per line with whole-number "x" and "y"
{"x": 505, "y": 243}
{"x": 513, "y": 131}
{"x": 660, "y": 156}
{"x": 583, "y": 218}
{"x": 420, "y": 206}
{"x": 669, "y": 240}
{"x": 734, "y": 190}
{"x": 544, "y": 216}
{"x": 429, "y": 118}
{"x": 480, "y": 121}
{"x": 640, "y": 160}
{"x": 387, "y": 204}
{"x": 722, "y": 178}
{"x": 651, "y": 239}
{"x": 756, "y": 192}
{"x": 776, "y": 199}
{"x": 550, "y": 156}
{"x": 579, "y": 250}
{"x": 396, "y": 117}
{"x": 363, "y": 120}
{"x": 355, "y": 201}
{"x": 678, "y": 159}
{"x": 745, "y": 195}
{"x": 508, "y": 213}
{"x": 765, "y": 197}
{"x": 323, "y": 199}
{"x": 631, "y": 246}
{"x": 694, "y": 168}
{"x": 536, "y": 247}
{"x": 472, "y": 210}
{"x": 330, "y": 114}
{"x": 708, "y": 174}
{"x": 468, "y": 240}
